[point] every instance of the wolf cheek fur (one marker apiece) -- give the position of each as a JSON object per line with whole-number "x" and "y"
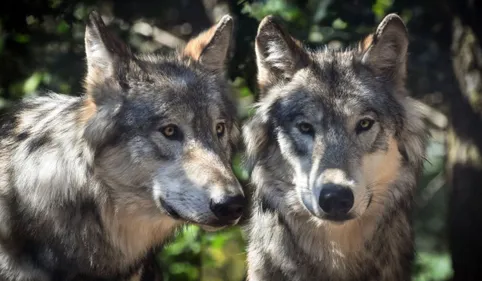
{"x": 89, "y": 186}
{"x": 334, "y": 150}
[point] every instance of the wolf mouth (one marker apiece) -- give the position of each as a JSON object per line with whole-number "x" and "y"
{"x": 338, "y": 218}
{"x": 209, "y": 226}
{"x": 170, "y": 210}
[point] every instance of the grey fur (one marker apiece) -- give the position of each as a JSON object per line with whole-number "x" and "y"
{"x": 81, "y": 178}
{"x": 290, "y": 236}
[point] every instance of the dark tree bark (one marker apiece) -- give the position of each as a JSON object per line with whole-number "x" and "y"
{"x": 464, "y": 143}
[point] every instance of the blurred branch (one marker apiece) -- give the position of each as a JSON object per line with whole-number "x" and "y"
{"x": 432, "y": 188}
{"x": 161, "y": 36}
{"x": 435, "y": 117}
{"x": 166, "y": 38}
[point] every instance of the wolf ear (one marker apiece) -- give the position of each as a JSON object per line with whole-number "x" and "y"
{"x": 103, "y": 50}
{"x": 278, "y": 55}
{"x": 105, "y": 54}
{"x": 211, "y": 47}
{"x": 385, "y": 51}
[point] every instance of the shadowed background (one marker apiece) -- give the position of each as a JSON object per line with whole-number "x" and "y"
{"x": 41, "y": 49}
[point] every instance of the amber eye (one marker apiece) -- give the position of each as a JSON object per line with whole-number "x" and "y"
{"x": 170, "y": 131}
{"x": 220, "y": 128}
{"x": 305, "y": 128}
{"x": 364, "y": 125}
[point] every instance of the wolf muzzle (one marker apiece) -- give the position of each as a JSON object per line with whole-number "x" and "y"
{"x": 228, "y": 209}
{"x": 336, "y": 201}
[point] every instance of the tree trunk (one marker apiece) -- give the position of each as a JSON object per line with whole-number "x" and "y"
{"x": 464, "y": 146}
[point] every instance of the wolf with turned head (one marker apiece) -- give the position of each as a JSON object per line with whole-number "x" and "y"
{"x": 334, "y": 151}
{"x": 90, "y": 186}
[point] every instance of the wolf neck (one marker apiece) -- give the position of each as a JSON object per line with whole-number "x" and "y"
{"x": 133, "y": 230}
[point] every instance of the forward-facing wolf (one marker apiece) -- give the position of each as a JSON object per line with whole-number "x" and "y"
{"x": 90, "y": 185}
{"x": 334, "y": 151}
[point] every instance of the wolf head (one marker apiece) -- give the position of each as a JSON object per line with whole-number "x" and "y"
{"x": 164, "y": 129}
{"x": 336, "y": 117}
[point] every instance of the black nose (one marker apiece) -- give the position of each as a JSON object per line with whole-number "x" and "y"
{"x": 336, "y": 199}
{"x": 228, "y": 209}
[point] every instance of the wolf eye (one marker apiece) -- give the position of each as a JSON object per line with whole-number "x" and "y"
{"x": 170, "y": 131}
{"x": 220, "y": 128}
{"x": 305, "y": 128}
{"x": 364, "y": 125}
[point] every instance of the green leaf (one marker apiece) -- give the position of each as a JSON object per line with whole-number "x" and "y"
{"x": 55, "y": 3}
{"x": 238, "y": 168}
{"x": 281, "y": 8}
{"x": 31, "y": 20}
{"x": 381, "y": 7}
{"x": 62, "y": 27}
{"x": 32, "y": 83}
{"x": 21, "y": 38}
{"x": 339, "y": 24}
{"x": 433, "y": 267}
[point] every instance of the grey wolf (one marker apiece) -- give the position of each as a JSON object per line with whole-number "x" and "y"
{"x": 334, "y": 151}
{"x": 90, "y": 185}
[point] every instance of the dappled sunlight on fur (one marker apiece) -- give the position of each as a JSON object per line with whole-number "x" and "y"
{"x": 292, "y": 234}
{"x": 91, "y": 186}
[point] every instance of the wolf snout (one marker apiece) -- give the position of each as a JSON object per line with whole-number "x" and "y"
{"x": 336, "y": 200}
{"x": 229, "y": 208}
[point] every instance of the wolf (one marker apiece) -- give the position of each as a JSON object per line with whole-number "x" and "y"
{"x": 90, "y": 185}
{"x": 334, "y": 151}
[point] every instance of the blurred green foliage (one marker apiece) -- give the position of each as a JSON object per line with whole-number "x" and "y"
{"x": 199, "y": 255}
{"x": 41, "y": 48}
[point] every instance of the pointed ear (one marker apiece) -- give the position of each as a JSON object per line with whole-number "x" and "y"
{"x": 385, "y": 51}
{"x": 105, "y": 53}
{"x": 103, "y": 50}
{"x": 278, "y": 55}
{"x": 211, "y": 48}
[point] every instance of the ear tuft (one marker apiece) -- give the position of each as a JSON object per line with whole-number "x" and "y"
{"x": 279, "y": 56}
{"x": 365, "y": 43}
{"x": 385, "y": 51}
{"x": 211, "y": 47}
